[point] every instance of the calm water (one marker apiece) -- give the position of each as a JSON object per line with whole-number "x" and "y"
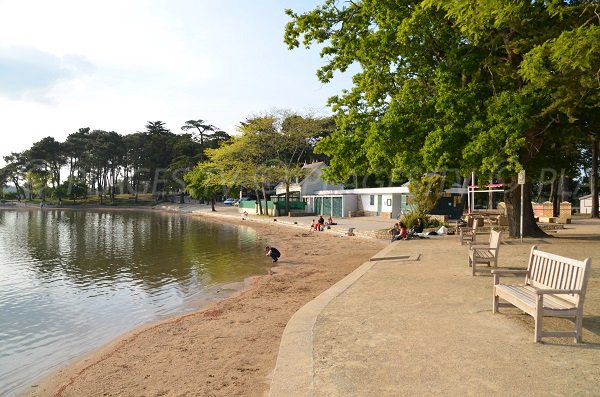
{"x": 71, "y": 281}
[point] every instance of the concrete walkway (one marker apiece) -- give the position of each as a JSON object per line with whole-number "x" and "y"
{"x": 413, "y": 321}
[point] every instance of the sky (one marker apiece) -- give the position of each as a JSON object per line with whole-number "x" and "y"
{"x": 115, "y": 65}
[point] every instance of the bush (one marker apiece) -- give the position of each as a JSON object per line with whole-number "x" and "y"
{"x": 410, "y": 219}
{"x": 11, "y": 196}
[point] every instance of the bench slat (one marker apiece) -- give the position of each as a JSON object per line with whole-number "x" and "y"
{"x": 484, "y": 254}
{"x": 528, "y": 295}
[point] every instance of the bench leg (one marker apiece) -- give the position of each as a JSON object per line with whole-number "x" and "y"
{"x": 495, "y": 302}
{"x": 578, "y": 327}
{"x": 539, "y": 318}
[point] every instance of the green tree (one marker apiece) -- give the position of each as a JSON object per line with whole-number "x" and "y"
{"x": 15, "y": 169}
{"x": 426, "y": 191}
{"x": 201, "y": 129}
{"x": 47, "y": 159}
{"x": 158, "y": 153}
{"x": 185, "y": 154}
{"x": 442, "y": 85}
{"x": 203, "y": 183}
{"x": 244, "y": 161}
{"x": 76, "y": 150}
{"x": 37, "y": 182}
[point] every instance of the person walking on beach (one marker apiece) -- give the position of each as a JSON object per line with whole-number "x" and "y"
{"x": 273, "y": 253}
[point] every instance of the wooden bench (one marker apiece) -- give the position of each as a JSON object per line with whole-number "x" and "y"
{"x": 554, "y": 286}
{"x": 468, "y": 234}
{"x": 485, "y": 254}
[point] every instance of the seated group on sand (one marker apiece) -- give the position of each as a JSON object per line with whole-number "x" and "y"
{"x": 399, "y": 231}
{"x": 320, "y": 224}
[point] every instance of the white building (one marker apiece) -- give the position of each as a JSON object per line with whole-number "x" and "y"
{"x": 585, "y": 204}
{"x": 388, "y": 202}
{"x": 311, "y": 183}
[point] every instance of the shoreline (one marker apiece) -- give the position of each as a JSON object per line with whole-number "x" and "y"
{"x": 93, "y": 372}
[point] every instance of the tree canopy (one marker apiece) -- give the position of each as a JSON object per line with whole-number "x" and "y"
{"x": 103, "y": 162}
{"x": 493, "y": 87}
{"x": 272, "y": 147}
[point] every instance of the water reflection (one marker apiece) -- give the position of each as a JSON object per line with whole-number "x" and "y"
{"x": 71, "y": 280}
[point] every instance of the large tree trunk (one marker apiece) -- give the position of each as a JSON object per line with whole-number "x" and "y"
{"x": 512, "y": 198}
{"x": 287, "y": 197}
{"x": 260, "y": 209}
{"x": 564, "y": 194}
{"x": 19, "y": 189}
{"x": 554, "y": 197}
{"x": 594, "y": 178}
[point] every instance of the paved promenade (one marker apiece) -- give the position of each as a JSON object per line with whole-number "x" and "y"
{"x": 413, "y": 321}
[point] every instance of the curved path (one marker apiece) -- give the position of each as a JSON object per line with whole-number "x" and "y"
{"x": 413, "y": 321}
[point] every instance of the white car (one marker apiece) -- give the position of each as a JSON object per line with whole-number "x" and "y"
{"x": 230, "y": 201}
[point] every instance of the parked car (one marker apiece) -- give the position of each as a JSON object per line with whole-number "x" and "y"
{"x": 230, "y": 201}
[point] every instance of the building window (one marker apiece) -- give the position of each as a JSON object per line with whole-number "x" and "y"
{"x": 371, "y": 200}
{"x": 389, "y": 202}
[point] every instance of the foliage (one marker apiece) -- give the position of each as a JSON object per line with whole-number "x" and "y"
{"x": 410, "y": 218}
{"x": 107, "y": 162}
{"x": 73, "y": 189}
{"x": 10, "y": 196}
{"x": 425, "y": 193}
{"x": 272, "y": 147}
{"x": 203, "y": 183}
{"x": 455, "y": 85}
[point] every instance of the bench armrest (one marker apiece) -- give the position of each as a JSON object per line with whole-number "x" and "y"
{"x": 509, "y": 271}
{"x": 481, "y": 247}
{"x": 503, "y": 272}
{"x": 557, "y": 291}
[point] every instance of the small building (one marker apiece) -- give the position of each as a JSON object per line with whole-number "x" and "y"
{"x": 311, "y": 183}
{"x": 387, "y": 202}
{"x": 585, "y": 204}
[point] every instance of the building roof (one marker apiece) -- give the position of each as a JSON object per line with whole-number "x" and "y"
{"x": 314, "y": 165}
{"x": 372, "y": 190}
{"x": 586, "y": 197}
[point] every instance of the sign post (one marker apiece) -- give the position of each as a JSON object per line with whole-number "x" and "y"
{"x": 521, "y": 181}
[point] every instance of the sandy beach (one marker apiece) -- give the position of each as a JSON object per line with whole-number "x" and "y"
{"x": 228, "y": 348}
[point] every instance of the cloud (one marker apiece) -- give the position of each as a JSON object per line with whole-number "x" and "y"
{"x": 28, "y": 73}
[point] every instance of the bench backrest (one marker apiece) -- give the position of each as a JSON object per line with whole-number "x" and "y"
{"x": 546, "y": 270}
{"x": 495, "y": 240}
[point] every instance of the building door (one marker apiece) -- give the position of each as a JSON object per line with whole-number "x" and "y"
{"x": 337, "y": 207}
{"x": 318, "y": 201}
{"x": 379, "y": 204}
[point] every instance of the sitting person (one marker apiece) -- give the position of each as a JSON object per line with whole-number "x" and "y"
{"x": 317, "y": 226}
{"x": 394, "y": 231}
{"x": 330, "y": 221}
{"x": 402, "y": 232}
{"x": 417, "y": 228}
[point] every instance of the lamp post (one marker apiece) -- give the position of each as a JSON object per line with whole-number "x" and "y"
{"x": 521, "y": 181}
